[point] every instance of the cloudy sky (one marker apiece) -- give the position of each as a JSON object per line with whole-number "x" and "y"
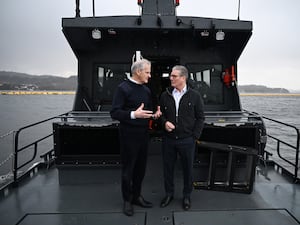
{"x": 31, "y": 39}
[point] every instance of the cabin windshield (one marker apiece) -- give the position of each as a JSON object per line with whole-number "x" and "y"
{"x": 207, "y": 80}
{"x": 109, "y": 76}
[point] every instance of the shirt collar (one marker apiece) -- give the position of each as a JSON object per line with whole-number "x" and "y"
{"x": 180, "y": 92}
{"x": 133, "y": 81}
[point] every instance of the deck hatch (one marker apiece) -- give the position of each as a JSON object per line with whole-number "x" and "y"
{"x": 82, "y": 218}
{"x": 241, "y": 217}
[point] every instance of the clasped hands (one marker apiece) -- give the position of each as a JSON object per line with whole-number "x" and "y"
{"x": 146, "y": 114}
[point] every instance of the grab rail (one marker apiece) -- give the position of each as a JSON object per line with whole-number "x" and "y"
{"x": 279, "y": 141}
{"x": 16, "y": 167}
{"x": 92, "y": 115}
{"x": 64, "y": 118}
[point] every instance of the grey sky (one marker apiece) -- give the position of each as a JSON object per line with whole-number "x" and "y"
{"x": 31, "y": 39}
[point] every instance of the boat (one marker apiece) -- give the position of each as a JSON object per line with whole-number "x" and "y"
{"x": 237, "y": 178}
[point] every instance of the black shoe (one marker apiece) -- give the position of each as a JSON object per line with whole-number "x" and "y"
{"x": 186, "y": 203}
{"x": 166, "y": 201}
{"x": 140, "y": 201}
{"x": 128, "y": 209}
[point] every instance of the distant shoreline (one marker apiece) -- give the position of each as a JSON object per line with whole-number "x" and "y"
{"x": 37, "y": 92}
{"x": 269, "y": 94}
{"x": 16, "y": 92}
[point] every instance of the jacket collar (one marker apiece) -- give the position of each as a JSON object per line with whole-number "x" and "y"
{"x": 170, "y": 89}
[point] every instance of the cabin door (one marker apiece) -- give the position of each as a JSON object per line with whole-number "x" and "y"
{"x": 160, "y": 70}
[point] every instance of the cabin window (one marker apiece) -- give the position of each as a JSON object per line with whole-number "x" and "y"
{"x": 206, "y": 79}
{"x": 100, "y": 76}
{"x": 108, "y": 77}
{"x": 198, "y": 76}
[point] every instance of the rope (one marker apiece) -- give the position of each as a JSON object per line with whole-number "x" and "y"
{"x": 7, "y": 134}
{"x": 4, "y": 178}
{"x": 11, "y": 154}
{"x": 8, "y": 176}
{"x": 7, "y": 159}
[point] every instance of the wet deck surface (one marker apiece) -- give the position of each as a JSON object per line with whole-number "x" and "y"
{"x": 91, "y": 195}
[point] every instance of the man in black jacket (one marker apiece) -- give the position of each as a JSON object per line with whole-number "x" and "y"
{"x": 132, "y": 106}
{"x": 182, "y": 120}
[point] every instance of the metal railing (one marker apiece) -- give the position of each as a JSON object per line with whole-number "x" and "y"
{"x": 17, "y": 150}
{"x": 96, "y": 115}
{"x": 295, "y": 164}
{"x": 65, "y": 117}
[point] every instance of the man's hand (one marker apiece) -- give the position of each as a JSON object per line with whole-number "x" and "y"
{"x": 157, "y": 114}
{"x": 140, "y": 113}
{"x": 169, "y": 126}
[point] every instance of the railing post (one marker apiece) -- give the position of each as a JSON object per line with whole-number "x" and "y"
{"x": 278, "y": 146}
{"x": 15, "y": 172}
{"x": 297, "y": 157}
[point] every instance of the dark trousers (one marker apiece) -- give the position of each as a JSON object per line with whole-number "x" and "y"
{"x": 185, "y": 148}
{"x": 134, "y": 148}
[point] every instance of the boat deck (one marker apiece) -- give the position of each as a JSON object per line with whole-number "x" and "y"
{"x": 89, "y": 195}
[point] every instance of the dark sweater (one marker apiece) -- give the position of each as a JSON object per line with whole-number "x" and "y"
{"x": 128, "y": 97}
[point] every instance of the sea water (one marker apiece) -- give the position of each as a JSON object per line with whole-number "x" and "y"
{"x": 17, "y": 111}
{"x": 285, "y": 109}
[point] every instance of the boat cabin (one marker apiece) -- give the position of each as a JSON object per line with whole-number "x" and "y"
{"x": 208, "y": 47}
{"x": 105, "y": 48}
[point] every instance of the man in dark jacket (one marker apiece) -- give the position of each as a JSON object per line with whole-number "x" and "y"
{"x": 182, "y": 120}
{"x": 132, "y": 106}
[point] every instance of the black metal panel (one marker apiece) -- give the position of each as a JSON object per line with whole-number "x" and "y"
{"x": 241, "y": 135}
{"x": 80, "y": 38}
{"x": 86, "y": 144}
{"x": 150, "y": 22}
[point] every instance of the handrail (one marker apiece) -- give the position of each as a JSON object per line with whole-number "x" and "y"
{"x": 35, "y": 143}
{"x": 279, "y": 141}
{"x": 64, "y": 117}
{"x": 91, "y": 115}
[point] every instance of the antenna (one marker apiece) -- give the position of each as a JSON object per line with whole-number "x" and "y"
{"x": 239, "y": 10}
{"x": 93, "y": 8}
{"x": 77, "y": 10}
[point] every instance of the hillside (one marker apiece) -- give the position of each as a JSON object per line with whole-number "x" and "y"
{"x": 22, "y": 81}
{"x": 260, "y": 89}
